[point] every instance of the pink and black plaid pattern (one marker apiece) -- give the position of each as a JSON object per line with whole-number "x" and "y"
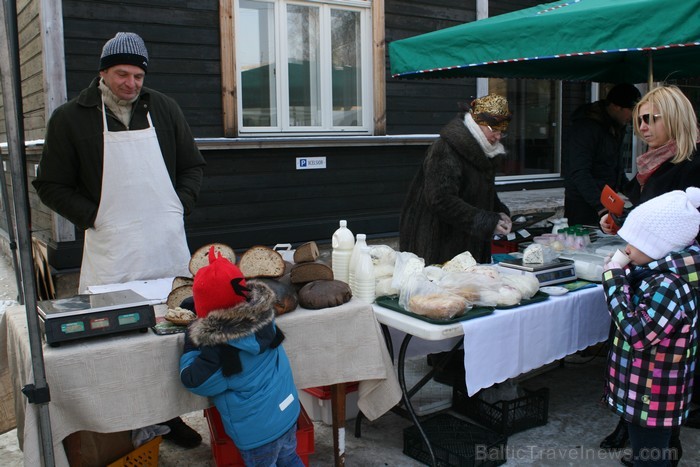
{"x": 653, "y": 354}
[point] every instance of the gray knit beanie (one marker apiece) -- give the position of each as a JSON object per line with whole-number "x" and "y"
{"x": 126, "y": 48}
{"x": 664, "y": 224}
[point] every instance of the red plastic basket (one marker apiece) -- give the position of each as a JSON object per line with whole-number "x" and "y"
{"x": 324, "y": 392}
{"x": 226, "y": 453}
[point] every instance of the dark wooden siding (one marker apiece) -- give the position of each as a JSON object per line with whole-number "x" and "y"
{"x": 423, "y": 106}
{"x": 256, "y": 196}
{"x": 182, "y": 38}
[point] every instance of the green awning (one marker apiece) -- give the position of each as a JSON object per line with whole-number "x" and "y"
{"x": 608, "y": 41}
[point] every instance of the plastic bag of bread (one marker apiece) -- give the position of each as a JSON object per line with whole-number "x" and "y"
{"x": 504, "y": 296}
{"x": 382, "y": 254}
{"x": 527, "y": 284}
{"x": 472, "y": 286}
{"x": 423, "y": 297}
{"x": 407, "y": 264}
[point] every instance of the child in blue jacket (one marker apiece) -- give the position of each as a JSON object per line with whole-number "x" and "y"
{"x": 233, "y": 355}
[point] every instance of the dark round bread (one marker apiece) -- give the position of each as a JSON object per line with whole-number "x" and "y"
{"x": 324, "y": 294}
{"x": 286, "y": 296}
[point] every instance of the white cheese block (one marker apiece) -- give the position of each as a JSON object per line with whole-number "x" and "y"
{"x": 533, "y": 254}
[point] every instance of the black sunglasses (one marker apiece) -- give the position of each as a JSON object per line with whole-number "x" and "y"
{"x": 645, "y": 118}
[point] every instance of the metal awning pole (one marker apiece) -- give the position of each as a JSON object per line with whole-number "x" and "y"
{"x": 650, "y": 70}
{"x": 37, "y": 393}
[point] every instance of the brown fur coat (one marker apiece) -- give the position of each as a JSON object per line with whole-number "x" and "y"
{"x": 452, "y": 205}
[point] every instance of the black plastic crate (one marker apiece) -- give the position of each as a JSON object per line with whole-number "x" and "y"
{"x": 452, "y": 371}
{"x": 455, "y": 442}
{"x": 505, "y": 417}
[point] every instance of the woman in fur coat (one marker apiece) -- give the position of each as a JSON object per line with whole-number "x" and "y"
{"x": 452, "y": 205}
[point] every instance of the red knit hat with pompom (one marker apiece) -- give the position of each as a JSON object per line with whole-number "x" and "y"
{"x": 218, "y": 286}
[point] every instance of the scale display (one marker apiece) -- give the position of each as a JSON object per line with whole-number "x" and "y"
{"x": 555, "y": 272}
{"x": 90, "y": 315}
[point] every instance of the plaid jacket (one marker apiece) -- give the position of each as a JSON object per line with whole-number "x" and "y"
{"x": 653, "y": 354}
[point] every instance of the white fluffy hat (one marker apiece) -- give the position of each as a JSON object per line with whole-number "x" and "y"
{"x": 667, "y": 223}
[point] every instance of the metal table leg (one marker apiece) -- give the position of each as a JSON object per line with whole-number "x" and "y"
{"x": 407, "y": 397}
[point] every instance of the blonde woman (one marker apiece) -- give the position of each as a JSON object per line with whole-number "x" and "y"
{"x": 664, "y": 118}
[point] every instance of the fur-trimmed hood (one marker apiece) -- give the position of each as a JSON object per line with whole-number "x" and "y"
{"x": 242, "y": 320}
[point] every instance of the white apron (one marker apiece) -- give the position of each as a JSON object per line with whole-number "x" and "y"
{"x": 139, "y": 231}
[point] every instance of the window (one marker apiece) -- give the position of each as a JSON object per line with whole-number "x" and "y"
{"x": 303, "y": 67}
{"x": 533, "y": 136}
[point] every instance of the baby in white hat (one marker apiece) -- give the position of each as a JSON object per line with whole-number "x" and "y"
{"x": 653, "y": 305}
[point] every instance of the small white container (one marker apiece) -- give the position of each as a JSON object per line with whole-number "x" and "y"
{"x": 621, "y": 258}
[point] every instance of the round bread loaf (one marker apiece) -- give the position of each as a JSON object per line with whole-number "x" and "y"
{"x": 261, "y": 261}
{"x": 324, "y": 294}
{"x": 200, "y": 258}
{"x": 286, "y": 298}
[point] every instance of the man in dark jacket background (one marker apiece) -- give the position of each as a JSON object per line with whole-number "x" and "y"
{"x": 593, "y": 153}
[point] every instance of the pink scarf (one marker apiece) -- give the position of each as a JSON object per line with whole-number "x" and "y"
{"x": 648, "y": 162}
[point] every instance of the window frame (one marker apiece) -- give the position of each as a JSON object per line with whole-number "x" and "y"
{"x": 373, "y": 81}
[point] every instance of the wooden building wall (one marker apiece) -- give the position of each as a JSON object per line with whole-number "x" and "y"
{"x": 31, "y": 71}
{"x": 182, "y": 38}
{"x": 253, "y": 194}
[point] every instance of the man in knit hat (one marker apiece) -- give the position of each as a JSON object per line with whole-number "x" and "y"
{"x": 653, "y": 305}
{"x": 592, "y": 153}
{"x": 120, "y": 163}
{"x": 233, "y": 354}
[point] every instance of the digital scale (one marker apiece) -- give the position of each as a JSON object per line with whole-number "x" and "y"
{"x": 90, "y": 315}
{"x": 554, "y": 272}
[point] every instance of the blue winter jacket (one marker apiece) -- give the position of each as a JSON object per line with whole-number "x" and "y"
{"x": 258, "y": 402}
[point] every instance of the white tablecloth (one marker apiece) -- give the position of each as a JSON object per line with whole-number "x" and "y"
{"x": 127, "y": 381}
{"x": 513, "y": 341}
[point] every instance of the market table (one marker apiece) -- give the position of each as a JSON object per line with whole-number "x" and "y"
{"x": 510, "y": 341}
{"x": 127, "y": 381}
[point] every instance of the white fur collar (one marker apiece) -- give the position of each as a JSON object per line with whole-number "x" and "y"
{"x": 491, "y": 150}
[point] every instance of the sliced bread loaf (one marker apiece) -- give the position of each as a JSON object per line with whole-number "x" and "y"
{"x": 261, "y": 261}
{"x": 200, "y": 258}
{"x": 179, "y": 295}
{"x": 180, "y": 281}
{"x": 306, "y": 253}
{"x": 302, "y": 273}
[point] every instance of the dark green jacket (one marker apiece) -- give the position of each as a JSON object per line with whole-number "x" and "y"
{"x": 69, "y": 178}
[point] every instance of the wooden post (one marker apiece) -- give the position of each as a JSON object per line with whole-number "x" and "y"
{"x": 338, "y": 411}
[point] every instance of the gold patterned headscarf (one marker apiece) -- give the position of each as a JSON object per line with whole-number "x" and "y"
{"x": 491, "y": 110}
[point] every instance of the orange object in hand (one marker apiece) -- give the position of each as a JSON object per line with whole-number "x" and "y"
{"x": 614, "y": 204}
